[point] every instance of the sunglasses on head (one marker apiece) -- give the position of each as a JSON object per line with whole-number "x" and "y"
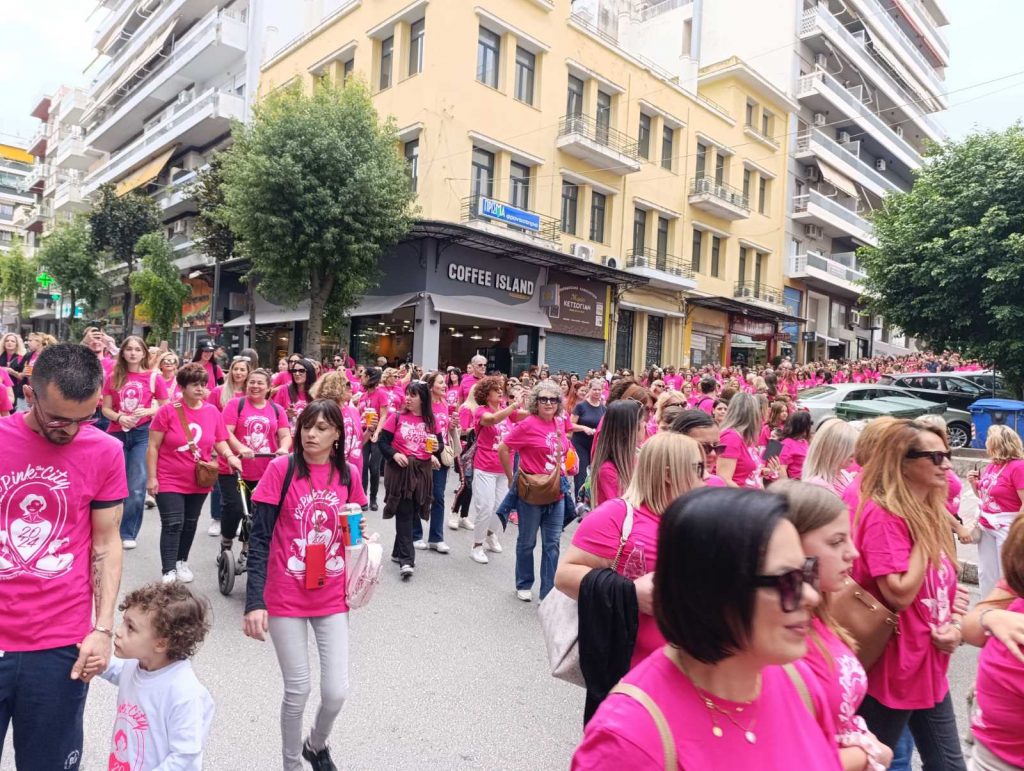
{"x": 240, "y": 358}
{"x": 791, "y": 583}
{"x": 936, "y": 456}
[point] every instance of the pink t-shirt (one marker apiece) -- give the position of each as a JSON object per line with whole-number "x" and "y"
{"x": 281, "y": 379}
{"x": 1000, "y": 700}
{"x": 954, "y": 488}
{"x": 706, "y": 404}
{"x": 284, "y": 398}
{"x": 133, "y": 395}
{"x": 998, "y": 486}
{"x": 213, "y": 374}
{"x": 540, "y": 444}
{"x": 765, "y": 435}
{"x": 713, "y": 480}
{"x": 487, "y": 440}
{"x": 792, "y": 456}
{"x": 674, "y": 382}
{"x": 175, "y": 466}
{"x": 171, "y": 387}
{"x": 256, "y": 428}
{"x": 607, "y": 482}
{"x": 46, "y": 496}
{"x": 410, "y": 434}
{"x": 748, "y": 460}
{"x": 353, "y": 437}
{"x": 379, "y": 399}
{"x": 622, "y": 734}
{"x": 442, "y": 419}
{"x": 599, "y": 534}
{"x": 313, "y": 507}
{"x": 842, "y": 679}
{"x": 466, "y": 385}
{"x": 911, "y": 674}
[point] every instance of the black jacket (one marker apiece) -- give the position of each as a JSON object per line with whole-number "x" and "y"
{"x": 609, "y": 618}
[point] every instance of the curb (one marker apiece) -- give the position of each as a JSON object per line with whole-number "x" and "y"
{"x": 968, "y": 573}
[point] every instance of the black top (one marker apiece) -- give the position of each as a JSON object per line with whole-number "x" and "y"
{"x": 17, "y": 363}
{"x": 588, "y": 415}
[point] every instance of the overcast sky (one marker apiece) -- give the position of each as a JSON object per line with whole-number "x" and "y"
{"x": 47, "y": 43}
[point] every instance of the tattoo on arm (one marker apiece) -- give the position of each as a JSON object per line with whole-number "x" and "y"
{"x": 97, "y": 578}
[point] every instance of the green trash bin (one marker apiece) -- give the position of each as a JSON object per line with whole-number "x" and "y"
{"x": 893, "y": 406}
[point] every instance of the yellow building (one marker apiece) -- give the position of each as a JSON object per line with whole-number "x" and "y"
{"x": 621, "y": 212}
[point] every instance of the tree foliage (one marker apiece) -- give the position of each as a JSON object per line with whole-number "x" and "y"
{"x": 317, "y": 191}
{"x": 18, "y": 278}
{"x": 949, "y": 266}
{"x": 160, "y": 288}
{"x": 213, "y": 234}
{"x": 116, "y": 225}
{"x": 67, "y": 255}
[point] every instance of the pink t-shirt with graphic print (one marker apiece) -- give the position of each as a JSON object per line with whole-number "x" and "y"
{"x": 1000, "y": 700}
{"x": 46, "y": 496}
{"x": 599, "y": 534}
{"x": 842, "y": 679}
{"x": 379, "y": 399}
{"x": 748, "y": 460}
{"x": 135, "y": 394}
{"x": 998, "y": 486}
{"x": 487, "y": 440}
{"x": 311, "y": 514}
{"x": 539, "y": 442}
{"x": 284, "y": 398}
{"x": 911, "y": 674}
{"x": 353, "y": 437}
{"x": 256, "y": 428}
{"x": 410, "y": 434}
{"x": 953, "y": 489}
{"x": 175, "y": 466}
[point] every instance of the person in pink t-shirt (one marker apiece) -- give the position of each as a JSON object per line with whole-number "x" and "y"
{"x": 62, "y": 484}
{"x": 204, "y": 355}
{"x": 615, "y": 452}
{"x": 830, "y": 455}
{"x": 167, "y": 364}
{"x": 294, "y": 396}
{"x": 474, "y": 374}
{"x": 300, "y": 525}
{"x": 448, "y": 429}
{"x": 1000, "y": 491}
{"x": 740, "y": 464}
{"x": 902, "y": 532}
{"x": 720, "y": 684}
{"x": 374, "y": 406}
{"x": 170, "y": 467}
{"x": 796, "y": 439}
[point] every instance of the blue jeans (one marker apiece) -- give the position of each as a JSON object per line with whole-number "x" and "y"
{"x": 135, "y": 443}
{"x": 547, "y": 519}
{"x": 903, "y": 752}
{"x": 436, "y": 510}
{"x": 46, "y": 707}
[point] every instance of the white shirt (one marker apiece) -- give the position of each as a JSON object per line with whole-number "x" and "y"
{"x": 163, "y": 717}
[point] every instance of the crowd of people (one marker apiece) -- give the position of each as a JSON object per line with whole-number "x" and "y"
{"x": 719, "y": 534}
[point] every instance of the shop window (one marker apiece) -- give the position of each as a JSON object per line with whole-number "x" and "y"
{"x": 624, "y": 340}
{"x": 574, "y": 97}
{"x": 488, "y": 49}
{"x": 416, "y": 35}
{"x": 655, "y": 340}
{"x": 526, "y": 65}
{"x": 570, "y": 207}
{"x": 412, "y": 158}
{"x": 482, "y": 173}
{"x": 598, "y": 204}
{"x": 387, "y": 54}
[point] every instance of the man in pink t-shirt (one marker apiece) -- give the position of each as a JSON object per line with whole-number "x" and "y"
{"x": 477, "y": 369}
{"x": 62, "y": 486}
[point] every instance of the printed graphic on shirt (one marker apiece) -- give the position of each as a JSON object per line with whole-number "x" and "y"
{"x": 414, "y": 435}
{"x": 132, "y": 394}
{"x": 553, "y": 442}
{"x": 754, "y": 477}
{"x": 33, "y": 513}
{"x": 257, "y": 433}
{"x": 854, "y": 684}
{"x": 129, "y": 744}
{"x": 197, "y": 436}
{"x": 317, "y": 513}
{"x": 938, "y": 582}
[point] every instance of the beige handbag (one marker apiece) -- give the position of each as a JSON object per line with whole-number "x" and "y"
{"x": 866, "y": 618}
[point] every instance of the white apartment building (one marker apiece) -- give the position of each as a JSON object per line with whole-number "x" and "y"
{"x": 15, "y": 203}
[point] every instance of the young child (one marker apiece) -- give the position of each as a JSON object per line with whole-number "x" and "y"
{"x": 163, "y": 711}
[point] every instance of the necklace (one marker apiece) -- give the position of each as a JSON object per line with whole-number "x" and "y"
{"x": 716, "y": 710}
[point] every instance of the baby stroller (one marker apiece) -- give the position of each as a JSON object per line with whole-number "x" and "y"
{"x": 227, "y": 565}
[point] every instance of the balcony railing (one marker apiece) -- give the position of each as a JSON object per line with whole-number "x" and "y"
{"x": 652, "y": 258}
{"x": 803, "y": 143}
{"x": 752, "y": 129}
{"x": 833, "y": 267}
{"x": 755, "y": 290}
{"x": 651, "y": 11}
{"x": 877, "y": 12}
{"x": 708, "y": 186}
{"x": 548, "y": 228}
{"x": 852, "y": 218}
{"x": 606, "y": 136}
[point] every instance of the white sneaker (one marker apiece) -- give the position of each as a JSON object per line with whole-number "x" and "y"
{"x": 524, "y": 594}
{"x": 214, "y": 528}
{"x": 478, "y": 555}
{"x": 420, "y": 544}
{"x": 440, "y": 547}
{"x": 491, "y": 543}
{"x": 129, "y": 544}
{"x": 465, "y": 524}
{"x": 406, "y": 572}
{"x": 184, "y": 574}
{"x": 453, "y": 523}
{"x": 170, "y": 577}
{"x": 150, "y": 502}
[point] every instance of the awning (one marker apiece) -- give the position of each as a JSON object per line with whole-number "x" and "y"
{"x": 138, "y": 62}
{"x": 473, "y": 307}
{"x": 728, "y": 305}
{"x": 269, "y": 313}
{"x": 837, "y": 179}
{"x": 112, "y": 34}
{"x": 145, "y": 174}
{"x": 650, "y": 309}
{"x": 378, "y": 305}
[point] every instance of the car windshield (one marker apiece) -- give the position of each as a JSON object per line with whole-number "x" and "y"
{"x": 816, "y": 393}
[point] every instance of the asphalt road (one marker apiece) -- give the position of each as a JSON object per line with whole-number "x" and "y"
{"x": 447, "y": 672}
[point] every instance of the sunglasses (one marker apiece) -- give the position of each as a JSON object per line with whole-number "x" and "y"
{"x": 240, "y": 358}
{"x": 790, "y": 584}
{"x": 298, "y": 371}
{"x": 549, "y": 400}
{"x": 936, "y": 456}
{"x": 709, "y": 448}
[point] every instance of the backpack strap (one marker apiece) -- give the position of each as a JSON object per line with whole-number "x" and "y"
{"x": 287, "y": 481}
{"x": 668, "y": 743}
{"x": 801, "y": 687}
{"x": 241, "y": 405}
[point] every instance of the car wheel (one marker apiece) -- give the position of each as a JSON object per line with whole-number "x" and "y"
{"x": 959, "y": 435}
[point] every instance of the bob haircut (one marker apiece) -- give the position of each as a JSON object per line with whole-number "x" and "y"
{"x": 330, "y": 412}
{"x": 798, "y": 426}
{"x": 1003, "y": 444}
{"x": 191, "y": 374}
{"x": 484, "y": 387}
{"x": 666, "y": 468}
{"x": 714, "y": 539}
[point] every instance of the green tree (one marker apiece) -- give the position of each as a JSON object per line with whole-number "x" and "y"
{"x": 949, "y": 265}
{"x": 67, "y": 255}
{"x": 159, "y": 285}
{"x": 18, "y": 278}
{"x": 116, "y": 225}
{"x": 317, "y": 191}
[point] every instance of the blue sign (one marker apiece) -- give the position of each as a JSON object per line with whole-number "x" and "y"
{"x": 510, "y": 215}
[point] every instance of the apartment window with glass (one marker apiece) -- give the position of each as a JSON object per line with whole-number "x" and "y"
{"x": 719, "y": 169}
{"x": 574, "y": 97}
{"x": 750, "y": 114}
{"x": 604, "y": 115}
{"x": 347, "y": 68}
{"x": 743, "y": 265}
{"x": 526, "y": 66}
{"x": 488, "y": 48}
{"x": 702, "y": 159}
{"x": 598, "y": 203}
{"x": 747, "y": 178}
{"x": 6, "y": 211}
{"x": 698, "y": 243}
{"x": 758, "y": 270}
{"x": 482, "y": 175}
{"x": 762, "y": 196}
{"x": 667, "y": 140}
{"x": 519, "y": 185}
{"x": 416, "y": 34}
{"x": 662, "y": 243}
{"x": 643, "y": 136}
{"x": 412, "y": 158}
{"x": 766, "y": 123}
{"x": 387, "y": 53}
{"x": 639, "y": 230}
{"x": 570, "y": 207}
{"x": 716, "y": 254}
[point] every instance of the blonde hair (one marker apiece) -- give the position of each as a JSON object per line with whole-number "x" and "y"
{"x": 1003, "y": 444}
{"x": 227, "y": 390}
{"x": 830, "y": 449}
{"x": 744, "y": 417}
{"x": 330, "y": 387}
{"x": 19, "y": 348}
{"x": 869, "y": 437}
{"x": 666, "y": 400}
{"x": 933, "y": 421}
{"x": 665, "y": 469}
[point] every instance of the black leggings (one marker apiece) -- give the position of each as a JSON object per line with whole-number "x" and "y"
{"x": 373, "y": 460}
{"x": 934, "y": 731}
{"x": 231, "y": 504}
{"x": 403, "y": 550}
{"x": 179, "y": 513}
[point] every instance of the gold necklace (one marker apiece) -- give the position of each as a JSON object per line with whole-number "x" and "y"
{"x": 715, "y": 709}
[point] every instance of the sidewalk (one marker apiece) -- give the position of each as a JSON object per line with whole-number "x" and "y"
{"x": 967, "y": 554}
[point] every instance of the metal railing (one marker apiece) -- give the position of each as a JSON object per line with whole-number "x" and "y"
{"x": 648, "y": 13}
{"x": 606, "y": 136}
{"x": 803, "y": 142}
{"x": 800, "y": 262}
{"x": 760, "y": 134}
{"x": 550, "y": 227}
{"x": 652, "y": 258}
{"x": 755, "y": 290}
{"x": 908, "y": 45}
{"x": 801, "y": 202}
{"x": 706, "y": 185}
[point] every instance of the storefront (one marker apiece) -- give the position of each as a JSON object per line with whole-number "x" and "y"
{"x": 707, "y": 330}
{"x": 578, "y": 311}
{"x": 752, "y": 341}
{"x": 746, "y": 334}
{"x": 648, "y": 329}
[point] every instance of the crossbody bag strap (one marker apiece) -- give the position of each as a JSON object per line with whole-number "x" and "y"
{"x": 668, "y": 742}
{"x": 287, "y": 481}
{"x": 152, "y": 385}
{"x": 801, "y": 687}
{"x": 627, "y": 528}
{"x": 180, "y": 409}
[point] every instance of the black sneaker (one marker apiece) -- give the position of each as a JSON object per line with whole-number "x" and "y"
{"x": 320, "y": 760}
{"x": 373, "y": 505}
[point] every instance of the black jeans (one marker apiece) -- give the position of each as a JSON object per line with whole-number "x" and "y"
{"x": 934, "y": 731}
{"x": 403, "y": 550}
{"x": 231, "y": 504}
{"x": 372, "y": 461}
{"x": 179, "y": 513}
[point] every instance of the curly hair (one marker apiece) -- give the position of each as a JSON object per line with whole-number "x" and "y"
{"x": 330, "y": 386}
{"x": 191, "y": 374}
{"x": 484, "y": 386}
{"x": 177, "y": 615}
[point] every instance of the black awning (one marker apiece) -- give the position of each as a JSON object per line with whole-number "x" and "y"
{"x": 728, "y": 305}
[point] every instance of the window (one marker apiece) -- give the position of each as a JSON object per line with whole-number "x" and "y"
{"x": 698, "y": 239}
{"x": 6, "y": 211}
{"x": 639, "y": 230}
{"x": 416, "y": 32}
{"x": 412, "y": 157}
{"x": 719, "y": 169}
{"x": 526, "y": 64}
{"x": 6, "y": 235}
{"x": 488, "y": 48}
{"x": 762, "y": 196}
{"x": 604, "y": 116}
{"x": 747, "y": 174}
{"x": 662, "y": 242}
{"x": 387, "y": 52}
{"x": 667, "y": 136}
{"x": 598, "y": 203}
{"x": 702, "y": 159}
{"x": 519, "y": 185}
{"x": 347, "y": 68}
{"x": 766, "y": 123}
{"x": 716, "y": 252}
{"x": 643, "y": 136}
{"x": 574, "y": 97}
{"x": 624, "y": 340}
{"x": 570, "y": 207}
{"x": 482, "y": 177}
{"x": 750, "y": 114}
{"x": 758, "y": 271}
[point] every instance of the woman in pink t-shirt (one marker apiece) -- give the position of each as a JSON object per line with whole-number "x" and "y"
{"x": 908, "y": 562}
{"x": 374, "y": 406}
{"x": 296, "y": 395}
{"x": 448, "y": 430}
{"x": 204, "y": 355}
{"x": 296, "y": 577}
{"x": 337, "y": 387}
{"x": 734, "y": 597}
{"x": 796, "y": 438}
{"x": 168, "y": 365}
{"x": 170, "y": 467}
{"x": 740, "y": 463}
{"x": 615, "y": 452}
{"x": 234, "y": 384}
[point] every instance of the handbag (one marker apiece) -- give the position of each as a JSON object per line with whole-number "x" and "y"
{"x": 866, "y": 618}
{"x": 541, "y": 489}
{"x": 206, "y": 472}
{"x": 560, "y": 621}
{"x": 362, "y": 571}
{"x": 447, "y": 453}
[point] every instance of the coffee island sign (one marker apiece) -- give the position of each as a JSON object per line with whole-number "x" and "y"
{"x": 503, "y": 282}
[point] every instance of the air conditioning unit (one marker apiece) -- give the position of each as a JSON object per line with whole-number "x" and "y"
{"x": 814, "y": 231}
{"x": 639, "y": 261}
{"x": 186, "y": 96}
{"x": 610, "y": 261}
{"x": 898, "y": 130}
{"x": 820, "y": 119}
{"x": 746, "y": 291}
{"x": 676, "y": 271}
{"x": 179, "y": 227}
{"x": 812, "y": 174}
{"x": 880, "y": 164}
{"x": 582, "y": 251}
{"x": 821, "y": 61}
{"x": 856, "y": 318}
{"x": 844, "y": 137}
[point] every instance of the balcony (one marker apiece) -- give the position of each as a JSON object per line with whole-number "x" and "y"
{"x": 177, "y": 198}
{"x": 37, "y": 145}
{"x": 816, "y": 144}
{"x": 507, "y": 220}
{"x": 836, "y": 220}
{"x": 759, "y": 294}
{"x": 917, "y": 14}
{"x": 197, "y": 123}
{"x": 827, "y": 274}
{"x": 663, "y": 271}
{"x": 722, "y": 201}
{"x": 68, "y": 197}
{"x": 606, "y": 148}
{"x": 74, "y": 153}
{"x": 36, "y": 217}
{"x": 72, "y": 104}
{"x": 35, "y": 182}
{"x": 657, "y": 9}
{"x": 877, "y": 17}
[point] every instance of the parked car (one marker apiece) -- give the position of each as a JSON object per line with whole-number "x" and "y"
{"x": 952, "y": 388}
{"x": 821, "y": 403}
{"x": 991, "y": 382}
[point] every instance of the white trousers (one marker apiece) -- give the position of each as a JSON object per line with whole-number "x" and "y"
{"x": 489, "y": 491}
{"x": 990, "y": 547}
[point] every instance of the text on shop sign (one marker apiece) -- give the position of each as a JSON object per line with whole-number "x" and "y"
{"x": 496, "y": 210}
{"x": 480, "y": 277}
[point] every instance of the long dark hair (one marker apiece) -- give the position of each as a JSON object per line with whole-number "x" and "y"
{"x": 293, "y": 389}
{"x": 372, "y": 375}
{"x": 330, "y": 412}
{"x": 426, "y": 403}
{"x": 617, "y": 442}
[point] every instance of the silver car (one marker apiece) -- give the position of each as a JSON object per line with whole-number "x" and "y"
{"x": 821, "y": 402}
